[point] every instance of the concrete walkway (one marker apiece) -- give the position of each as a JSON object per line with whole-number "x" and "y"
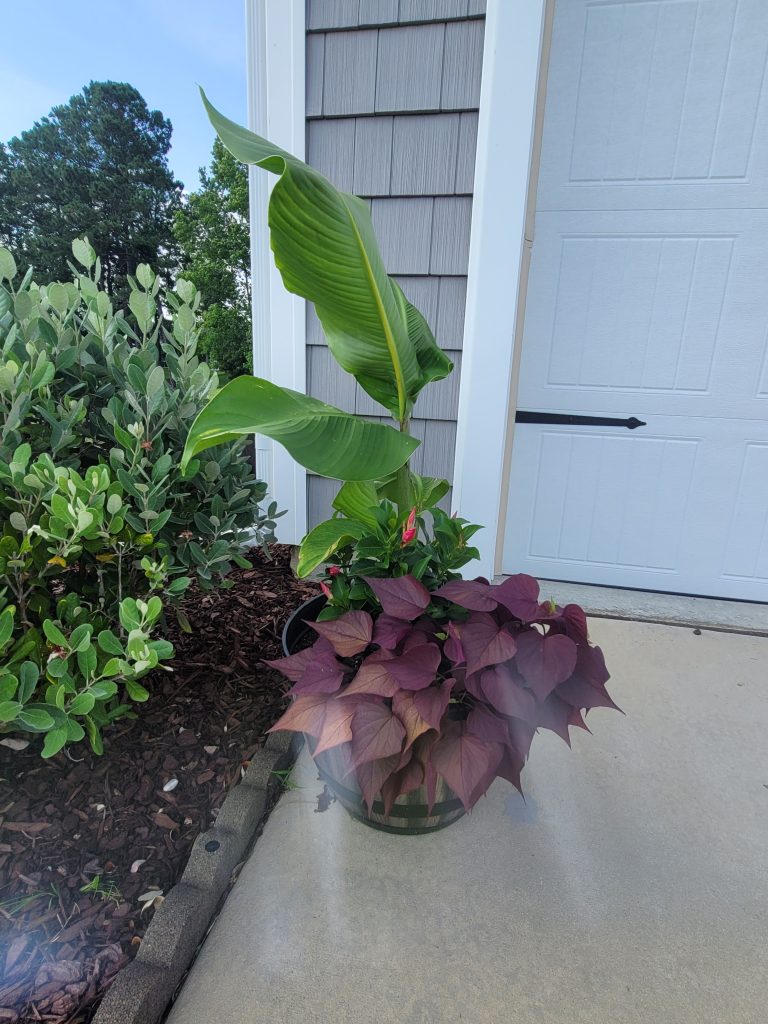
{"x": 631, "y": 888}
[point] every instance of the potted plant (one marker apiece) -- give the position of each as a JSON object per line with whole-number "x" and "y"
{"x": 418, "y": 688}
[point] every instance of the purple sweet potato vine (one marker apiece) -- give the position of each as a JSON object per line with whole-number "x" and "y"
{"x": 452, "y": 683}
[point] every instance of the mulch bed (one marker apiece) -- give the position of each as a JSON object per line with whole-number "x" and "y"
{"x": 119, "y": 818}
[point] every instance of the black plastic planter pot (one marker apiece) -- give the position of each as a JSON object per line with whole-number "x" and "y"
{"x": 410, "y": 815}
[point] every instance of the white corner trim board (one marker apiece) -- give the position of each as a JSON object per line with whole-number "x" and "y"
{"x": 511, "y": 57}
{"x": 276, "y": 49}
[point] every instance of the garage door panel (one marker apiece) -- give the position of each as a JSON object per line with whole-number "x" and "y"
{"x": 660, "y": 99}
{"x": 682, "y": 509}
{"x": 746, "y": 550}
{"x": 648, "y": 297}
{"x": 665, "y": 315}
{"x": 601, "y": 500}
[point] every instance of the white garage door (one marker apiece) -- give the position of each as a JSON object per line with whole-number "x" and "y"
{"x": 648, "y": 298}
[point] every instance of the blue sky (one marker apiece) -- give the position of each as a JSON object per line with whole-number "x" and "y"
{"x": 165, "y": 48}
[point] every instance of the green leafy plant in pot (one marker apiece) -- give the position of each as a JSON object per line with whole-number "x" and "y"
{"x": 419, "y": 688}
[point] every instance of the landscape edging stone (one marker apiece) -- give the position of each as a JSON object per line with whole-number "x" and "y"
{"x": 141, "y": 992}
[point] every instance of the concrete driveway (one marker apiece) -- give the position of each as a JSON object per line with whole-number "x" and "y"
{"x": 632, "y": 886}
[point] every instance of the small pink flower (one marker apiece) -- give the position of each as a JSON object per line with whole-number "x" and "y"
{"x": 409, "y": 530}
{"x": 326, "y": 590}
{"x": 334, "y": 570}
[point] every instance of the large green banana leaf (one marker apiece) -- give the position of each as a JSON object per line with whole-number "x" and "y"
{"x": 323, "y": 439}
{"x": 326, "y": 251}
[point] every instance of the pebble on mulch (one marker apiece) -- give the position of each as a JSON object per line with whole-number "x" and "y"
{"x": 123, "y": 823}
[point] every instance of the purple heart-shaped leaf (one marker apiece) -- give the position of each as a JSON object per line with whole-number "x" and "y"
{"x": 586, "y": 687}
{"x": 373, "y": 676}
{"x": 452, "y": 647}
{"x": 405, "y": 708}
{"x": 545, "y": 661}
{"x": 486, "y": 726}
{"x": 372, "y": 775}
{"x": 294, "y": 666}
{"x": 471, "y": 594}
{"x": 472, "y": 686}
{"x": 575, "y": 621}
{"x": 376, "y": 732}
{"x": 323, "y": 674}
{"x": 349, "y": 635}
{"x": 306, "y": 714}
{"x": 485, "y": 642}
{"x": 465, "y": 761}
{"x": 504, "y": 690}
{"x": 520, "y": 595}
{"x": 510, "y": 766}
{"x": 554, "y": 714}
{"x": 433, "y": 702}
{"x": 337, "y": 724}
{"x": 407, "y": 778}
{"x": 417, "y": 668}
{"x": 388, "y": 631}
{"x": 403, "y": 597}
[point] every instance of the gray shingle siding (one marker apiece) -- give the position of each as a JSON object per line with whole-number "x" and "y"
{"x": 408, "y": 68}
{"x": 393, "y": 88}
{"x": 341, "y": 14}
{"x": 405, "y": 155}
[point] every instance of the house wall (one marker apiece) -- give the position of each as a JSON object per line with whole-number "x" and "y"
{"x": 393, "y": 89}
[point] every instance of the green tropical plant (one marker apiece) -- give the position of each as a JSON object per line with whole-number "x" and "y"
{"x": 325, "y": 248}
{"x": 416, "y": 674}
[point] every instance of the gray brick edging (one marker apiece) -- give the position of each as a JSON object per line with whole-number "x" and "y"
{"x": 142, "y": 991}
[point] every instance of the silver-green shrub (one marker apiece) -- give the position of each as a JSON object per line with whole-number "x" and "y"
{"x": 99, "y": 528}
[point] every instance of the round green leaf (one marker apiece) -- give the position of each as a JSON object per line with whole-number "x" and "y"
{"x": 36, "y": 719}
{"x": 9, "y": 710}
{"x": 54, "y": 634}
{"x": 18, "y": 522}
{"x": 54, "y": 741}
{"x": 84, "y": 252}
{"x": 82, "y": 704}
{"x": 58, "y": 298}
{"x": 144, "y": 275}
{"x": 22, "y": 305}
{"x": 105, "y": 689}
{"x": 7, "y": 265}
{"x": 136, "y": 691}
{"x": 9, "y": 684}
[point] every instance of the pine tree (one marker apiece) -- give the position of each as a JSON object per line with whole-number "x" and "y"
{"x": 212, "y": 231}
{"x": 95, "y": 166}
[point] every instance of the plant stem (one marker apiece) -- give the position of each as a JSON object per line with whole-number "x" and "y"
{"x": 403, "y": 480}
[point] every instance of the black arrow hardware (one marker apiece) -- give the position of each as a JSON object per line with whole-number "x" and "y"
{"x": 631, "y": 423}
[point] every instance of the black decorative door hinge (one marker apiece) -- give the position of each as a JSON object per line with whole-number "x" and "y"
{"x": 631, "y": 423}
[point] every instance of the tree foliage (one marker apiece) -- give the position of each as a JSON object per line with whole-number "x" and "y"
{"x": 95, "y": 166}
{"x": 212, "y": 231}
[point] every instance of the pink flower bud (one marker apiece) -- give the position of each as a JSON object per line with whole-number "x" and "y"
{"x": 334, "y": 570}
{"x": 409, "y": 530}
{"x": 326, "y": 590}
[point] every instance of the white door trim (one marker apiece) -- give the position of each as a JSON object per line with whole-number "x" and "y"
{"x": 511, "y": 62}
{"x": 276, "y": 55}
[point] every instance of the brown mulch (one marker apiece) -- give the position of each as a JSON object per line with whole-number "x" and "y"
{"x": 119, "y": 817}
